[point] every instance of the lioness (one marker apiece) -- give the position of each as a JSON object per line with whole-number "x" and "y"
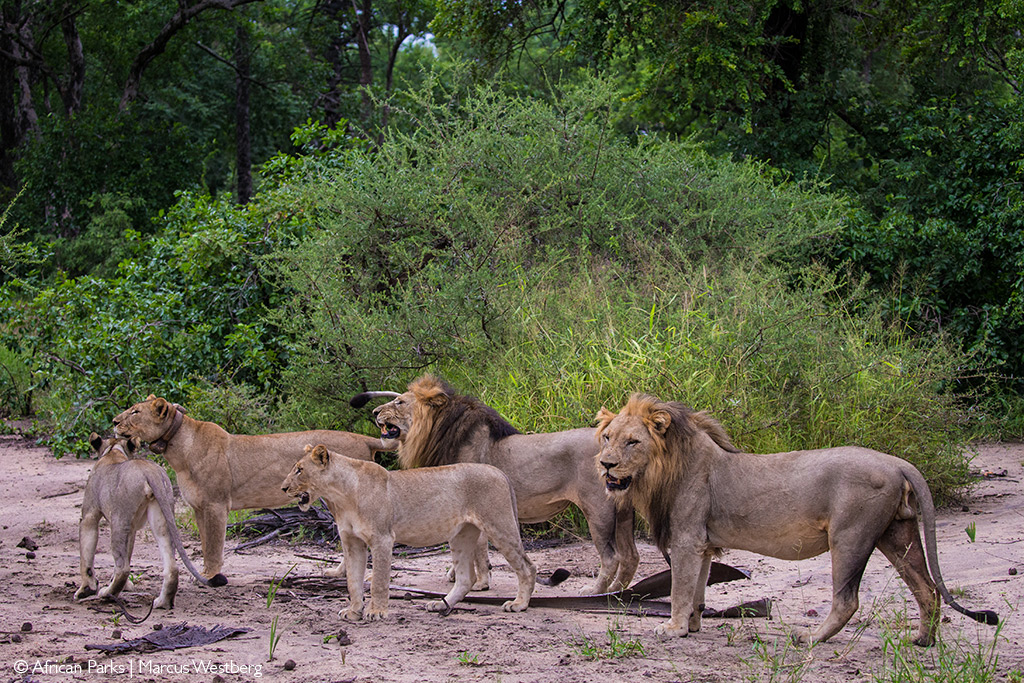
{"x": 435, "y": 426}
{"x": 700, "y": 495}
{"x": 218, "y": 471}
{"x": 127, "y": 492}
{"x": 376, "y": 508}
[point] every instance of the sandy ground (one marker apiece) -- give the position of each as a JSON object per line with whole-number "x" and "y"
{"x": 40, "y": 497}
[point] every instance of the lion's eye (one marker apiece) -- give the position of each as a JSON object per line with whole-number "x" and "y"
{"x": 632, "y": 442}
{"x": 605, "y": 437}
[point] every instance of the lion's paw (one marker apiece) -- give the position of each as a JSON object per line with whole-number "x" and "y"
{"x": 694, "y": 623}
{"x": 801, "y": 638}
{"x": 375, "y": 614}
{"x": 670, "y": 628}
{"x": 163, "y": 603}
{"x": 84, "y": 592}
{"x": 351, "y": 614}
{"x": 438, "y": 606}
{"x": 515, "y": 605}
{"x": 104, "y": 592}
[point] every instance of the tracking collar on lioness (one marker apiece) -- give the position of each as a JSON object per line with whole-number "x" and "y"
{"x": 160, "y": 445}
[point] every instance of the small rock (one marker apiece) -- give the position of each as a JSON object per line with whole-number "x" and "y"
{"x": 30, "y": 555}
{"x": 1013, "y": 571}
{"x": 289, "y": 665}
{"x": 812, "y": 612}
{"x": 27, "y": 543}
{"x": 965, "y": 509}
{"x": 116, "y": 635}
{"x": 158, "y": 627}
{"x": 16, "y": 638}
{"x": 26, "y": 627}
{"x": 218, "y": 678}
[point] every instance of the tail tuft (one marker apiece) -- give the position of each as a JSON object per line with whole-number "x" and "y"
{"x": 985, "y": 616}
{"x": 360, "y": 400}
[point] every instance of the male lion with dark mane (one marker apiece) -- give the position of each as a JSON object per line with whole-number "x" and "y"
{"x": 218, "y": 471}
{"x": 701, "y": 495}
{"x": 435, "y": 426}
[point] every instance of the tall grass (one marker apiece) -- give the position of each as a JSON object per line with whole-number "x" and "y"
{"x": 784, "y": 366}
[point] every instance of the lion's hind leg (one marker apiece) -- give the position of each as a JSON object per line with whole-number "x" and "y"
{"x": 122, "y": 532}
{"x": 509, "y": 543}
{"x": 901, "y": 545}
{"x": 849, "y": 558}
{"x": 162, "y": 534}
{"x": 88, "y": 534}
{"x": 463, "y": 545}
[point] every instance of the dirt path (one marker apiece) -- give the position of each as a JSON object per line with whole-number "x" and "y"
{"x": 40, "y": 497}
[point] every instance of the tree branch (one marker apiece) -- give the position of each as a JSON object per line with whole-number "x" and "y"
{"x": 177, "y": 22}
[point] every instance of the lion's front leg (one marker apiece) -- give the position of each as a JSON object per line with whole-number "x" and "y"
{"x": 600, "y": 514}
{"x": 383, "y": 545}
{"x": 212, "y": 521}
{"x": 355, "y": 570}
{"x": 687, "y": 559}
{"x": 693, "y": 625}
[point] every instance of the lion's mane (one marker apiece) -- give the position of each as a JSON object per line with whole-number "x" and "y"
{"x": 443, "y": 421}
{"x": 656, "y": 488}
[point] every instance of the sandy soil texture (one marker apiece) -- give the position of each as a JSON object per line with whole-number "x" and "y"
{"x": 44, "y": 633}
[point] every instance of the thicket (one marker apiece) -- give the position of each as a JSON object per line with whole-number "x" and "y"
{"x": 524, "y": 252}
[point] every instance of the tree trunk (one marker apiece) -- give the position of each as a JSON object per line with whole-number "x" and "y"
{"x": 364, "y": 16}
{"x": 243, "y": 140}
{"x": 75, "y": 86}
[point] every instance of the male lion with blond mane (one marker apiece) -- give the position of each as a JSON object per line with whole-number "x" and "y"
{"x": 373, "y": 507}
{"x": 700, "y": 495}
{"x": 435, "y": 426}
{"x": 218, "y": 471}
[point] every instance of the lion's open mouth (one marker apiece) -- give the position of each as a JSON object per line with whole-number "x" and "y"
{"x": 613, "y": 484}
{"x": 389, "y": 431}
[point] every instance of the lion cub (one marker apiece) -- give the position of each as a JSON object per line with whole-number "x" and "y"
{"x": 377, "y": 508}
{"x": 127, "y": 492}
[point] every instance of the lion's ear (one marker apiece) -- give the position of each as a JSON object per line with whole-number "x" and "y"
{"x": 133, "y": 444}
{"x": 308, "y": 448}
{"x": 436, "y": 398}
{"x": 151, "y": 397}
{"x": 321, "y": 455}
{"x": 95, "y": 441}
{"x": 659, "y": 421}
{"x": 603, "y": 418}
{"x": 162, "y": 407}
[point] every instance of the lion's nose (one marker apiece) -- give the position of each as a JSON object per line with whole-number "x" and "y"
{"x": 285, "y": 489}
{"x": 607, "y": 466}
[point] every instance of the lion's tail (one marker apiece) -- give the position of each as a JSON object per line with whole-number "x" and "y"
{"x": 172, "y": 528}
{"x": 360, "y": 400}
{"x": 927, "y": 506}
